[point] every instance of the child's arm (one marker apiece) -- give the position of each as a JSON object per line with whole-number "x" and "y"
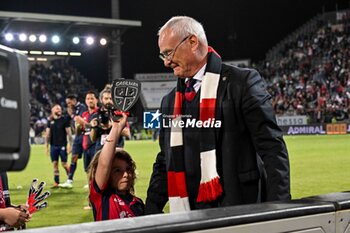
{"x": 105, "y": 160}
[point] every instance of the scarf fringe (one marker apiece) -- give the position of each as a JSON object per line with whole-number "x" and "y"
{"x": 179, "y": 204}
{"x": 209, "y": 191}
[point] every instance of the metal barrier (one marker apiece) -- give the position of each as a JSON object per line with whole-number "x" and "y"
{"x": 326, "y": 213}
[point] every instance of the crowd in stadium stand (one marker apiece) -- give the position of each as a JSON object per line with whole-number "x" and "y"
{"x": 312, "y": 76}
{"x": 51, "y": 84}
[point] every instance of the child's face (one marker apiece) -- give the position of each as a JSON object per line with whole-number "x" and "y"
{"x": 121, "y": 176}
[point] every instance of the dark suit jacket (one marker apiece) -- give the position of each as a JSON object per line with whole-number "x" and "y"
{"x": 252, "y": 158}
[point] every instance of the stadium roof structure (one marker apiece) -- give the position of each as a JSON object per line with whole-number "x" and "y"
{"x": 65, "y": 26}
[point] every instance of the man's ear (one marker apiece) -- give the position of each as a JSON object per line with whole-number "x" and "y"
{"x": 194, "y": 42}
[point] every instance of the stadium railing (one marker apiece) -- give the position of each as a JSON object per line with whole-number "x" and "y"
{"x": 326, "y": 213}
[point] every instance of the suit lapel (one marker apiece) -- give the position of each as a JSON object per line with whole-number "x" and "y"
{"x": 219, "y": 100}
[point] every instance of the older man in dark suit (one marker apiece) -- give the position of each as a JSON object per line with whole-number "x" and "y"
{"x": 220, "y": 143}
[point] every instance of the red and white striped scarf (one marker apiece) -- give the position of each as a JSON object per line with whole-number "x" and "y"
{"x": 210, "y": 188}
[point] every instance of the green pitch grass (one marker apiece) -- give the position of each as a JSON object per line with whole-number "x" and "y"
{"x": 319, "y": 165}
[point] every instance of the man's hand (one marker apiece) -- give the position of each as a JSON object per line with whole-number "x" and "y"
{"x": 69, "y": 149}
{"x": 47, "y": 151}
{"x": 79, "y": 120}
{"x": 14, "y": 217}
{"x": 94, "y": 123}
{"x": 23, "y": 208}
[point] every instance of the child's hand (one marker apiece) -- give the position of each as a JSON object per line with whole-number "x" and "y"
{"x": 121, "y": 121}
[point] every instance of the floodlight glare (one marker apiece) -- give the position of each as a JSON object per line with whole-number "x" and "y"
{"x": 22, "y": 37}
{"x": 23, "y": 51}
{"x": 9, "y": 37}
{"x": 75, "y": 54}
{"x": 41, "y": 59}
{"x": 42, "y": 38}
{"x": 32, "y": 38}
{"x": 49, "y": 53}
{"x": 76, "y": 40}
{"x": 89, "y": 40}
{"x": 103, "y": 41}
{"x": 34, "y": 52}
{"x": 62, "y": 53}
{"x": 55, "y": 39}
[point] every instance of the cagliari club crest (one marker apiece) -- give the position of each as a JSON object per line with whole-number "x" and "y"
{"x": 125, "y": 93}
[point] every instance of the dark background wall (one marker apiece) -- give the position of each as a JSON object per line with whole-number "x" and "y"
{"x": 237, "y": 29}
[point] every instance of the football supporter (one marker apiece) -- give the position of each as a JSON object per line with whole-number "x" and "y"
{"x": 112, "y": 176}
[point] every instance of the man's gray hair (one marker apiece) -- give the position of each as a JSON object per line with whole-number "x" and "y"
{"x": 185, "y": 26}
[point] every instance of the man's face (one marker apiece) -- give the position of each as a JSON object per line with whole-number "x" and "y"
{"x": 91, "y": 101}
{"x": 106, "y": 100}
{"x": 56, "y": 111}
{"x": 181, "y": 58}
{"x": 70, "y": 102}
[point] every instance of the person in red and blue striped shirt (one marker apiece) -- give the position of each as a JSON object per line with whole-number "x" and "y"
{"x": 112, "y": 177}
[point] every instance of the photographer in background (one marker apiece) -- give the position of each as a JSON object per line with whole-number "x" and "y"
{"x": 101, "y": 124}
